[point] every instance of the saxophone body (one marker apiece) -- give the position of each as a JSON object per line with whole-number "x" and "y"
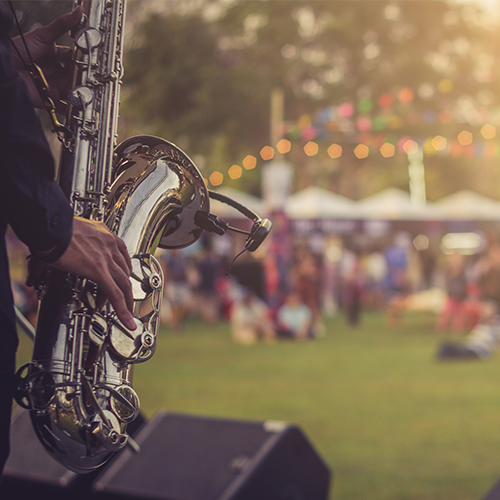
{"x": 78, "y": 386}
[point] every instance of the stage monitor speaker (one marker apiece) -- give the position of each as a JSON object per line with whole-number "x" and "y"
{"x": 494, "y": 493}
{"x": 193, "y": 458}
{"x": 29, "y": 469}
{"x": 30, "y": 472}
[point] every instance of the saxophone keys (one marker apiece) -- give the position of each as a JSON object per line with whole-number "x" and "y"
{"x": 107, "y": 431}
{"x": 80, "y": 97}
{"x": 98, "y": 329}
{"x": 125, "y": 403}
{"x": 144, "y": 279}
{"x": 34, "y": 387}
{"x": 88, "y": 39}
{"x": 132, "y": 345}
{"x": 155, "y": 281}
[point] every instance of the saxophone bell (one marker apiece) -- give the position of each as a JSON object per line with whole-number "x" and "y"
{"x": 78, "y": 386}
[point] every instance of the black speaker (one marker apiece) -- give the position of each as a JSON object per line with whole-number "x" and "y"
{"x": 30, "y": 472}
{"x": 29, "y": 469}
{"x": 494, "y": 493}
{"x": 193, "y": 458}
{"x": 182, "y": 457}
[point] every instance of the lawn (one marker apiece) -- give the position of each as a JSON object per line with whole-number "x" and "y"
{"x": 390, "y": 421}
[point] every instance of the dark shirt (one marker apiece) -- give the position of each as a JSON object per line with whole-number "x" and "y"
{"x": 30, "y": 200}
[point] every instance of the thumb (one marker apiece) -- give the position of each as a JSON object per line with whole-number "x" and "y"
{"x": 60, "y": 26}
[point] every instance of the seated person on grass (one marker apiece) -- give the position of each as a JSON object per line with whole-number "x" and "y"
{"x": 294, "y": 319}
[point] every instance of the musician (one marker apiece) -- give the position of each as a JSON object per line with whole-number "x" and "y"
{"x": 34, "y": 205}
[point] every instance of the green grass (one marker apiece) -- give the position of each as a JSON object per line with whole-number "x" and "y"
{"x": 391, "y": 421}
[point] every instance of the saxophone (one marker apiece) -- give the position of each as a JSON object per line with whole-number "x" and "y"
{"x": 78, "y": 386}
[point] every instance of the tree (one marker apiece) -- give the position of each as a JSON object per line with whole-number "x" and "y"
{"x": 357, "y": 52}
{"x": 407, "y": 68}
{"x": 181, "y": 86}
{"x": 207, "y": 84}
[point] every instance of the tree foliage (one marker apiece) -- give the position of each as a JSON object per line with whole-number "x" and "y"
{"x": 181, "y": 85}
{"x": 204, "y": 82}
{"x": 207, "y": 83}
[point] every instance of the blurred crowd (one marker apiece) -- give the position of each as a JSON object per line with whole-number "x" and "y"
{"x": 285, "y": 289}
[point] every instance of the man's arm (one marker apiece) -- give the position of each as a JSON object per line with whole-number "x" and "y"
{"x": 34, "y": 205}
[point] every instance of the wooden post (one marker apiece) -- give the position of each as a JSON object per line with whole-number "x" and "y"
{"x": 416, "y": 174}
{"x": 276, "y": 126}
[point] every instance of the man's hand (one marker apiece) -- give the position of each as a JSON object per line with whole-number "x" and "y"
{"x": 96, "y": 253}
{"x": 55, "y": 61}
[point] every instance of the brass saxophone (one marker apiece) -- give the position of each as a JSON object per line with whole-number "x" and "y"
{"x": 78, "y": 386}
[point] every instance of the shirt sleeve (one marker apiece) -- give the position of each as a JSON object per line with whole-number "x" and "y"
{"x": 31, "y": 201}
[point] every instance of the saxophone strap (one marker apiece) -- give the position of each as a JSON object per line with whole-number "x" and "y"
{"x": 64, "y": 134}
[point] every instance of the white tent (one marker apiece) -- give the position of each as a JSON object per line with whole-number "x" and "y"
{"x": 467, "y": 205}
{"x": 391, "y": 204}
{"x": 226, "y": 212}
{"x": 318, "y": 203}
{"x": 394, "y": 204}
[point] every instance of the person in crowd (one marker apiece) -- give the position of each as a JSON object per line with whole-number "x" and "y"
{"x": 484, "y": 337}
{"x": 454, "y": 314}
{"x": 250, "y": 320}
{"x": 278, "y": 258}
{"x": 307, "y": 281}
{"x": 481, "y": 342}
{"x": 294, "y": 319}
{"x": 353, "y": 285}
{"x": 331, "y": 278}
{"x": 177, "y": 291}
{"x": 487, "y": 273}
{"x": 396, "y": 281}
{"x": 209, "y": 269}
{"x": 374, "y": 269}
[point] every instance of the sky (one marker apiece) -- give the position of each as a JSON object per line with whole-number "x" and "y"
{"x": 494, "y": 5}
{"x": 489, "y": 3}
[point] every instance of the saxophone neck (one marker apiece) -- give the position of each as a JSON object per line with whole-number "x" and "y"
{"x": 86, "y": 160}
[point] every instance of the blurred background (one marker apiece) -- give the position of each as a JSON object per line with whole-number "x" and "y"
{"x": 368, "y": 131}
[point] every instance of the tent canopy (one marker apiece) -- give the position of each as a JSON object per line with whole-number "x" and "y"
{"x": 318, "y": 203}
{"x": 390, "y": 204}
{"x": 467, "y": 205}
{"x": 394, "y": 204}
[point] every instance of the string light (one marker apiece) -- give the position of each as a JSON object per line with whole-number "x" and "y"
{"x": 439, "y": 143}
{"x": 216, "y": 178}
{"x": 387, "y": 150}
{"x": 267, "y": 153}
{"x": 307, "y": 129}
{"x": 410, "y": 147}
{"x": 488, "y": 131}
{"x": 235, "y": 172}
{"x": 335, "y": 151}
{"x": 249, "y": 162}
{"x": 361, "y": 151}
{"x": 311, "y": 148}
{"x": 284, "y": 146}
{"x": 465, "y": 138}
